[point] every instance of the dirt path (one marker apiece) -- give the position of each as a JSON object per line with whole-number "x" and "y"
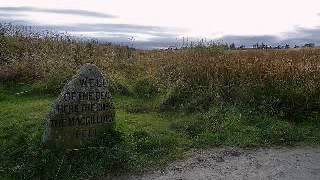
{"x": 226, "y": 163}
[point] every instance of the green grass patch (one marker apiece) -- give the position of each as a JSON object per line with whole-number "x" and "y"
{"x": 145, "y": 136}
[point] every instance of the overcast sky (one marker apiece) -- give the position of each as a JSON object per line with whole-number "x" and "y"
{"x": 160, "y": 23}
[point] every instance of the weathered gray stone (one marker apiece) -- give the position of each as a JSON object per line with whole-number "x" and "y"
{"x": 82, "y": 112}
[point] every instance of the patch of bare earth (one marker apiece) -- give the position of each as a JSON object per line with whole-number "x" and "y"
{"x": 226, "y": 163}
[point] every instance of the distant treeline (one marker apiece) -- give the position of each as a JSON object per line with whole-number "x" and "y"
{"x": 185, "y": 44}
{"x": 265, "y": 46}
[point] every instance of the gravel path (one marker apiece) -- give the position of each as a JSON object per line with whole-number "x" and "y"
{"x": 226, "y": 163}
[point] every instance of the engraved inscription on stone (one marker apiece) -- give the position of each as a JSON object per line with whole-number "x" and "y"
{"x": 83, "y": 111}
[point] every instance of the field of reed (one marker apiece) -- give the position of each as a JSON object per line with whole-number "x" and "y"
{"x": 281, "y": 82}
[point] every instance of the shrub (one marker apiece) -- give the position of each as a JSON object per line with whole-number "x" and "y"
{"x": 144, "y": 88}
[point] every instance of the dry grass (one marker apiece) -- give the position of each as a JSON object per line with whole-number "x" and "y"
{"x": 280, "y": 81}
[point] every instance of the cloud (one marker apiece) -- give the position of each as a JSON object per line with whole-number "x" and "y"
{"x": 158, "y": 37}
{"x": 56, "y": 11}
{"x": 85, "y": 27}
{"x": 15, "y": 21}
{"x": 304, "y": 35}
{"x": 312, "y": 32}
{"x": 299, "y": 36}
{"x": 152, "y": 43}
{"x": 156, "y": 43}
{"x": 162, "y": 37}
{"x": 124, "y": 28}
{"x": 9, "y": 15}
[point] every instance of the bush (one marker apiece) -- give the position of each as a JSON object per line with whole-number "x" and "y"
{"x": 144, "y": 88}
{"x": 174, "y": 99}
{"x": 292, "y": 102}
{"x": 119, "y": 88}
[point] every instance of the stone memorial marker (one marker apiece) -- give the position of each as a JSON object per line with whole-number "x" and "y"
{"x": 83, "y": 111}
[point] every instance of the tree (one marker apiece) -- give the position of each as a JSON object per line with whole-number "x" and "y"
{"x": 309, "y": 45}
{"x": 232, "y": 46}
{"x": 242, "y": 47}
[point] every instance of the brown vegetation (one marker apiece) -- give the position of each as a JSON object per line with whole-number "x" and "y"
{"x": 279, "y": 81}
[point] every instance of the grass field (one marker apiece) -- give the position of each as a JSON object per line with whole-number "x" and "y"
{"x": 167, "y": 103}
{"x": 145, "y": 137}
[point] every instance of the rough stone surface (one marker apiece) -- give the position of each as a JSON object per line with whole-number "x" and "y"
{"x": 82, "y": 112}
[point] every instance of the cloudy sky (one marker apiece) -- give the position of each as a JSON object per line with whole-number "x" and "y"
{"x": 161, "y": 23}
